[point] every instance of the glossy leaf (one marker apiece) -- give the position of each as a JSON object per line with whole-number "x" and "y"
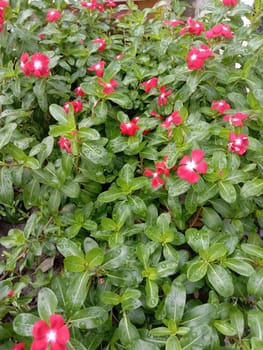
{"x": 89, "y": 318}
{"x": 221, "y": 280}
{"x": 46, "y": 303}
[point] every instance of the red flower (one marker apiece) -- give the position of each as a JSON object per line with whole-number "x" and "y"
{"x": 119, "y": 56}
{"x": 197, "y": 57}
{"x": 161, "y": 167}
{"x": 3, "y": 4}
{"x": 37, "y": 66}
{"x": 190, "y": 168}
{"x": 236, "y": 119}
{"x": 101, "y": 42}
{"x": 238, "y": 143}
{"x": 24, "y": 64}
{"x": 41, "y": 36}
{"x": 98, "y": 68}
{"x": 79, "y": 92}
{"x": 230, "y": 2}
{"x": 110, "y": 3}
{"x": 162, "y": 99}
{"x": 173, "y": 119}
{"x": 89, "y": 5}
{"x": 156, "y": 179}
{"x": 108, "y": 87}
{"x": 56, "y": 334}
{"x": 53, "y": 15}
{"x": 219, "y": 30}
{"x": 193, "y": 27}
{"x": 77, "y": 106}
{"x": 150, "y": 84}
{"x": 65, "y": 144}
{"x": 10, "y": 293}
{"x": 130, "y": 128}
{"x": 220, "y": 106}
{"x": 173, "y": 22}
{"x": 19, "y": 346}
{"x": 156, "y": 115}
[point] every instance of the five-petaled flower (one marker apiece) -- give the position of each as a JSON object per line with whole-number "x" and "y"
{"x": 65, "y": 143}
{"x": 193, "y": 27}
{"x": 89, "y": 5}
{"x": 236, "y": 119}
{"x": 110, "y": 3}
{"x": 220, "y": 106}
{"x": 173, "y": 22}
{"x": 162, "y": 98}
{"x": 156, "y": 179}
{"x": 79, "y": 92}
{"x": 229, "y": 2}
{"x": 101, "y": 42}
{"x": 190, "y": 168}
{"x": 19, "y": 346}
{"x": 197, "y": 57}
{"x": 53, "y": 15}
{"x": 98, "y": 68}
{"x": 77, "y": 106}
{"x": 238, "y": 143}
{"x": 55, "y": 334}
{"x": 108, "y": 86}
{"x": 150, "y": 84}
{"x": 219, "y": 30}
{"x": 172, "y": 119}
{"x": 37, "y": 65}
{"x": 130, "y": 128}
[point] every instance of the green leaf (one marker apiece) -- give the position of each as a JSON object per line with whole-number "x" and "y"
{"x": 211, "y": 218}
{"x": 160, "y": 331}
{"x": 224, "y": 327}
{"x": 46, "y": 303}
{"x": 239, "y": 266}
{"x": 6, "y": 186}
{"x": 88, "y": 134}
{"x": 108, "y": 297}
{"x": 175, "y": 302}
{"x": 111, "y": 195}
{"x": 196, "y": 270}
{"x": 198, "y": 338}
{"x": 40, "y": 92}
{"x": 67, "y": 248}
{"x": 127, "y": 331}
{"x": 74, "y": 344}
{"x": 152, "y": 293}
{"x": 221, "y": 280}
{"x": 120, "y": 214}
{"x": 96, "y": 154}
{"x": 227, "y": 191}
{"x": 177, "y": 187}
{"x": 71, "y": 189}
{"x": 121, "y": 99}
{"x": 255, "y": 283}
{"x": 198, "y": 315}
{"x": 255, "y": 322}
{"x": 23, "y": 324}
{"x": 253, "y": 188}
{"x": 74, "y": 264}
{"x": 77, "y": 290}
{"x": 252, "y": 250}
{"x": 111, "y": 70}
{"x": 138, "y": 206}
{"x": 94, "y": 257}
{"x": 237, "y": 320}
{"x": 92, "y": 317}
{"x": 173, "y": 343}
{"x": 140, "y": 344}
{"x": 59, "y": 287}
{"x": 6, "y": 133}
{"x": 58, "y": 113}
{"x": 215, "y": 252}
{"x": 197, "y": 239}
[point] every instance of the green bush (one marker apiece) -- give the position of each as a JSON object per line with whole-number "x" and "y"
{"x": 131, "y": 170}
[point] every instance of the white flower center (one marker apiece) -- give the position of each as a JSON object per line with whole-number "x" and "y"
{"x": 191, "y": 165}
{"x": 238, "y": 142}
{"x": 51, "y": 336}
{"x": 193, "y": 57}
{"x": 37, "y": 64}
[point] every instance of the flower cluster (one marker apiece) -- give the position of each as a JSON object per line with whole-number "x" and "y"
{"x": 93, "y": 5}
{"x": 3, "y": 4}
{"x": 193, "y": 27}
{"x": 219, "y": 30}
{"x": 36, "y": 65}
{"x": 196, "y": 57}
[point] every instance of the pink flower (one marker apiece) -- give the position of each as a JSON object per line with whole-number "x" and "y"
{"x": 130, "y": 128}
{"x": 156, "y": 115}
{"x": 238, "y": 143}
{"x": 236, "y": 119}
{"x": 37, "y": 66}
{"x": 10, "y": 293}
{"x": 98, "y": 68}
{"x": 162, "y": 168}
{"x": 149, "y": 84}
{"x": 156, "y": 179}
{"x": 193, "y": 27}
{"x": 53, "y": 15}
{"x": 220, "y": 106}
{"x": 197, "y": 57}
{"x": 119, "y": 56}
{"x": 89, "y": 5}
{"x": 65, "y": 144}
{"x": 173, "y": 22}
{"x": 77, "y": 106}
{"x": 41, "y": 36}
{"x": 189, "y": 169}
{"x": 108, "y": 87}
{"x": 56, "y": 334}
{"x": 173, "y": 119}
{"x": 110, "y": 3}
{"x": 19, "y": 346}
{"x": 3, "y": 4}
{"x": 101, "y": 42}
{"x": 219, "y": 30}
{"x": 162, "y": 98}
{"x": 229, "y": 2}
{"x": 79, "y": 92}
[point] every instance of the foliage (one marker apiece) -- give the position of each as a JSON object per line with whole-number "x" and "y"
{"x": 141, "y": 202}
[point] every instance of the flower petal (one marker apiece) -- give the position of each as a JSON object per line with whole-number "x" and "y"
{"x": 39, "y": 345}
{"x": 201, "y": 167}
{"x": 184, "y": 160}
{"x": 189, "y": 175}
{"x": 63, "y": 335}
{"x": 197, "y": 155}
{"x": 56, "y": 321}
{"x": 40, "y": 329}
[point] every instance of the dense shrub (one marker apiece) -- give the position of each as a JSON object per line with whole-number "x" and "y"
{"x": 131, "y": 169}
